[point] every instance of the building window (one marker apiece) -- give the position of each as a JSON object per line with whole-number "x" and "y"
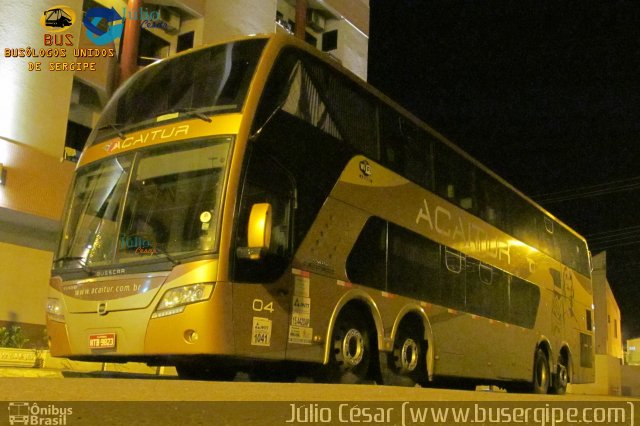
{"x": 330, "y": 41}
{"x": 152, "y": 48}
{"x": 310, "y": 39}
{"x": 185, "y": 41}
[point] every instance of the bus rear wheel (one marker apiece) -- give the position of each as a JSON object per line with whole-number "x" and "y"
{"x": 561, "y": 379}
{"x": 541, "y": 373}
{"x": 351, "y": 349}
{"x": 408, "y": 361}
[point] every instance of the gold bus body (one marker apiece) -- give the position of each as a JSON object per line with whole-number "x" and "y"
{"x": 292, "y": 319}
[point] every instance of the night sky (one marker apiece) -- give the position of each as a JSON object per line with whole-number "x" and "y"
{"x": 545, "y": 93}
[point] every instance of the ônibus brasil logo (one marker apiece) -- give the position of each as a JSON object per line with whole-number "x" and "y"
{"x": 30, "y": 413}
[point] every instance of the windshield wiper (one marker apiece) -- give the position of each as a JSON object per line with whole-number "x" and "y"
{"x": 189, "y": 112}
{"x": 158, "y": 250}
{"x": 81, "y": 261}
{"x": 115, "y": 127}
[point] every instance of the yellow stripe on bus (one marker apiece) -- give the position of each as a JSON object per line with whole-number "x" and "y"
{"x": 227, "y": 124}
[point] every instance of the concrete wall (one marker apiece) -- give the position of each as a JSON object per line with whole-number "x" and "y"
{"x": 608, "y": 336}
{"x": 614, "y": 328}
{"x": 631, "y": 380}
{"x": 24, "y": 286}
{"x": 355, "y": 11}
{"x": 34, "y": 104}
{"x": 608, "y": 378}
{"x": 34, "y": 108}
{"x": 608, "y": 339}
{"x": 225, "y": 19}
{"x": 353, "y": 47}
{"x": 36, "y": 182}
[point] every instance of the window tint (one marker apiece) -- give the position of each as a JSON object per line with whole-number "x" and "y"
{"x": 573, "y": 251}
{"x": 389, "y": 257}
{"x": 486, "y": 290}
{"x": 391, "y": 139}
{"x": 455, "y": 178}
{"x": 314, "y": 92}
{"x": 524, "y": 298}
{"x": 452, "y": 279}
{"x": 491, "y": 196}
{"x": 418, "y": 156}
{"x": 266, "y": 182}
{"x": 367, "y": 263}
{"x": 218, "y": 79}
{"x": 414, "y": 264}
{"x": 303, "y": 87}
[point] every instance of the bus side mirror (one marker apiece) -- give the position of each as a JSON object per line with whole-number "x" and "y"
{"x": 258, "y": 232}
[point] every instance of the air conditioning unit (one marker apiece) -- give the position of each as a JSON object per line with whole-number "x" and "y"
{"x": 315, "y": 20}
{"x": 169, "y": 20}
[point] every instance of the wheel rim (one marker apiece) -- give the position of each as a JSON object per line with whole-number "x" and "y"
{"x": 352, "y": 348}
{"x": 408, "y": 357}
{"x": 563, "y": 376}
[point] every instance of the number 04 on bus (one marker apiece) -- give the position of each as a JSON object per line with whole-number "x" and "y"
{"x": 252, "y": 206}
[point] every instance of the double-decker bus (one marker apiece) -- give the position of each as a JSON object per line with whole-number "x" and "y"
{"x": 253, "y": 205}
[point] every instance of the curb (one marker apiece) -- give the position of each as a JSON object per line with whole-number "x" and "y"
{"x": 30, "y": 372}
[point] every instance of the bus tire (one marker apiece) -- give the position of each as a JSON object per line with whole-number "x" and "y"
{"x": 408, "y": 360}
{"x": 351, "y": 353}
{"x": 561, "y": 379}
{"x": 541, "y": 373}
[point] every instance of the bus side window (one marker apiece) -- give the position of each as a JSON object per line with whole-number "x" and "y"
{"x": 414, "y": 266}
{"x": 486, "y": 290}
{"x": 477, "y": 288}
{"x": 491, "y": 199}
{"x": 392, "y": 141}
{"x": 453, "y": 292}
{"x": 367, "y": 263}
{"x": 524, "y": 299}
{"x": 266, "y": 182}
{"x": 455, "y": 178}
{"x": 418, "y": 157}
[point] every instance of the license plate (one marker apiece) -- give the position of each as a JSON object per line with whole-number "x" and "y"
{"x": 102, "y": 341}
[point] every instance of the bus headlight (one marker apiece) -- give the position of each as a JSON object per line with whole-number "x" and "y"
{"x": 54, "y": 310}
{"x": 174, "y": 300}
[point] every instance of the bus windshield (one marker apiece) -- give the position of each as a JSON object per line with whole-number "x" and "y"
{"x": 204, "y": 81}
{"x": 159, "y": 203}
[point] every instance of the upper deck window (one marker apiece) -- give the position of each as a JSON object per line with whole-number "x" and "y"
{"x": 203, "y": 81}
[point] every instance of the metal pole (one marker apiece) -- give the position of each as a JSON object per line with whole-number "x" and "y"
{"x": 301, "y": 18}
{"x": 130, "y": 42}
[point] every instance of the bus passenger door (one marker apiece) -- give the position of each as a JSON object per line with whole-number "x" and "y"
{"x": 263, "y": 252}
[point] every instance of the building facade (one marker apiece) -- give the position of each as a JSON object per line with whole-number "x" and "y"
{"x": 608, "y": 335}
